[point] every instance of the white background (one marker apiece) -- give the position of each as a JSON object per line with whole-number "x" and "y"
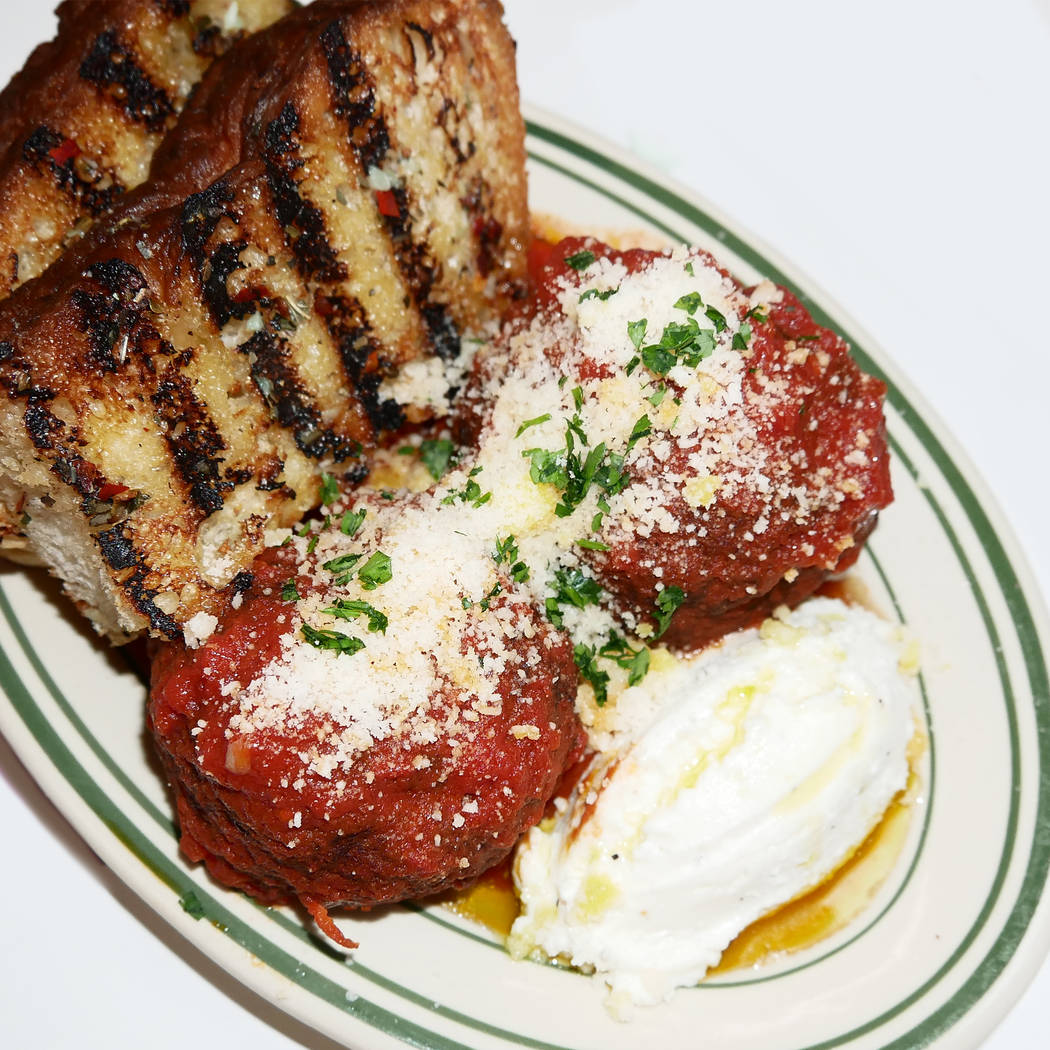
{"x": 895, "y": 152}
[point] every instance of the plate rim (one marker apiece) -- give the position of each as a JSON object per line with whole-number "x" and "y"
{"x": 993, "y": 532}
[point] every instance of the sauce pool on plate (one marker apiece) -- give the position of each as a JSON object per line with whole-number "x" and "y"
{"x": 797, "y": 925}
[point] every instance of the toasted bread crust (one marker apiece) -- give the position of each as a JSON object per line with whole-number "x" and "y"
{"x": 80, "y": 122}
{"x": 181, "y": 379}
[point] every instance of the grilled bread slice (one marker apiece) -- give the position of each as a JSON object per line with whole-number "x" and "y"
{"x": 183, "y": 378}
{"x": 80, "y": 122}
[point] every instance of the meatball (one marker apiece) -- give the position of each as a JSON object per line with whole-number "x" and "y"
{"x": 722, "y": 452}
{"x": 736, "y": 549}
{"x": 378, "y": 717}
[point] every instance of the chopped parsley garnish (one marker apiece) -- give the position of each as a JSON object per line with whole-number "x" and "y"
{"x": 680, "y": 343}
{"x": 374, "y": 572}
{"x": 592, "y": 545}
{"x": 717, "y": 318}
{"x": 659, "y": 359}
{"x": 574, "y": 427}
{"x": 437, "y": 455}
{"x": 506, "y": 550}
{"x": 352, "y": 521}
{"x": 572, "y": 472}
{"x": 593, "y": 293}
{"x": 344, "y": 609}
{"x": 506, "y": 553}
{"x": 634, "y": 661}
{"x": 689, "y": 269}
{"x": 636, "y": 331}
{"x": 484, "y": 603}
{"x": 656, "y": 397}
{"x": 642, "y": 428}
{"x": 548, "y": 468}
{"x": 586, "y": 659}
{"x": 600, "y": 467}
{"x": 289, "y": 592}
{"x": 806, "y": 338}
{"x": 580, "y": 260}
{"x": 329, "y": 490}
{"x": 471, "y": 493}
{"x": 756, "y": 313}
{"x": 377, "y": 570}
{"x": 576, "y": 587}
{"x": 333, "y": 640}
{"x": 191, "y": 905}
{"x": 572, "y": 586}
{"x": 742, "y": 337}
{"x": 690, "y": 303}
{"x": 532, "y": 423}
{"x": 343, "y": 564}
{"x": 312, "y": 545}
{"x": 667, "y": 604}
{"x": 603, "y": 509}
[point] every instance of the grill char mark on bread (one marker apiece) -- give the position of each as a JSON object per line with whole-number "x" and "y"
{"x": 113, "y": 67}
{"x": 318, "y": 263}
{"x": 313, "y": 254}
{"x": 80, "y": 122}
{"x": 90, "y": 189}
{"x": 218, "y": 341}
{"x": 370, "y": 140}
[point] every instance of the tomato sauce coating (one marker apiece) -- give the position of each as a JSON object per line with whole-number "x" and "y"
{"x": 404, "y": 821}
{"x": 807, "y": 414}
{"x": 776, "y": 485}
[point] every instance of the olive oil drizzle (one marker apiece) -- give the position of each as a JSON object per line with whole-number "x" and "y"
{"x": 800, "y": 923}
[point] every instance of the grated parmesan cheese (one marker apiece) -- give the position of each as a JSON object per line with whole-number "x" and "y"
{"x": 198, "y": 629}
{"x": 463, "y": 626}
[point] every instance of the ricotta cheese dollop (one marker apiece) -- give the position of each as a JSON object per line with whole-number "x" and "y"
{"x": 727, "y": 785}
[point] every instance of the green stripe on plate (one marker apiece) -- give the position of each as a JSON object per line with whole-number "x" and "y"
{"x": 178, "y": 879}
{"x": 913, "y": 864}
{"x": 173, "y": 875}
{"x": 432, "y": 914}
{"x": 1035, "y": 664}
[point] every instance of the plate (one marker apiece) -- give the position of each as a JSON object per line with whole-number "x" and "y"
{"x": 936, "y": 959}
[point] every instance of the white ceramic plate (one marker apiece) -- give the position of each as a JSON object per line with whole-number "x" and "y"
{"x": 938, "y": 957}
